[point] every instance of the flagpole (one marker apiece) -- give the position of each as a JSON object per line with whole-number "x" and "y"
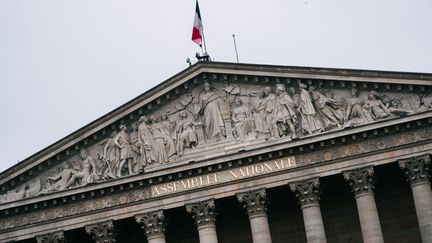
{"x": 204, "y": 42}
{"x": 203, "y": 36}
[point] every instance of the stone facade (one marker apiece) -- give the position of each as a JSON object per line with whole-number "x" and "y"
{"x": 221, "y": 130}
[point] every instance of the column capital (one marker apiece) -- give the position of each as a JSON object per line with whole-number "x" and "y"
{"x": 307, "y": 191}
{"x": 153, "y": 223}
{"x": 417, "y": 169}
{"x": 361, "y": 180}
{"x": 102, "y": 232}
{"x": 255, "y": 202}
{"x": 203, "y": 212}
{"x": 56, "y": 237}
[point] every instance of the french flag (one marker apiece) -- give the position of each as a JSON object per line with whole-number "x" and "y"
{"x": 197, "y": 30}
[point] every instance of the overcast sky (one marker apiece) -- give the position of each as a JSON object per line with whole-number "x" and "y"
{"x": 64, "y": 63}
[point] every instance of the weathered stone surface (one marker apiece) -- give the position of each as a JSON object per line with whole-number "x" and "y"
{"x": 360, "y": 180}
{"x": 212, "y": 112}
{"x": 102, "y": 232}
{"x": 56, "y": 237}
{"x": 153, "y": 224}
{"x": 307, "y": 192}
{"x": 255, "y": 202}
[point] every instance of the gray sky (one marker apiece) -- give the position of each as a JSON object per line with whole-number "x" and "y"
{"x": 64, "y": 63}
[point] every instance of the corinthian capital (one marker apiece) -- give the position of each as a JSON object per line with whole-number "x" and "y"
{"x": 416, "y": 168}
{"x": 307, "y": 192}
{"x": 202, "y": 212}
{"x": 56, "y": 237}
{"x": 360, "y": 180}
{"x": 102, "y": 232}
{"x": 254, "y": 202}
{"x": 152, "y": 223}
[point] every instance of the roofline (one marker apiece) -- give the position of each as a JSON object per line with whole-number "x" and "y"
{"x": 423, "y": 78}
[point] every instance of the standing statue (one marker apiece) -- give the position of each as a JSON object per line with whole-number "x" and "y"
{"x": 264, "y": 114}
{"x": 285, "y": 119}
{"x": 167, "y": 129}
{"x": 355, "y": 113}
{"x": 135, "y": 148}
{"x": 145, "y": 141}
{"x": 242, "y": 119}
{"x": 310, "y": 120}
{"x": 214, "y": 128}
{"x": 159, "y": 149}
{"x": 328, "y": 109}
{"x": 186, "y": 135}
{"x": 124, "y": 143}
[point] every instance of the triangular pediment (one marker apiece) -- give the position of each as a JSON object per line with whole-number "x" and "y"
{"x": 212, "y": 110}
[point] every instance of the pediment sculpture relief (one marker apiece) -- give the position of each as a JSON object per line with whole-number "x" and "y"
{"x": 214, "y": 114}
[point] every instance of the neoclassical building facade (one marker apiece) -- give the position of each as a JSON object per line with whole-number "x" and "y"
{"x": 231, "y": 153}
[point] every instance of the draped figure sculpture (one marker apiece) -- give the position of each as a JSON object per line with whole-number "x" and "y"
{"x": 214, "y": 128}
{"x": 242, "y": 119}
{"x": 355, "y": 113}
{"x": 285, "y": 119}
{"x": 264, "y": 113}
{"x": 168, "y": 132}
{"x": 186, "y": 135}
{"x": 70, "y": 176}
{"x": 327, "y": 109}
{"x": 310, "y": 121}
{"x": 145, "y": 140}
{"x": 159, "y": 141}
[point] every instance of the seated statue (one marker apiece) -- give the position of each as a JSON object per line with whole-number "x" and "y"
{"x": 241, "y": 118}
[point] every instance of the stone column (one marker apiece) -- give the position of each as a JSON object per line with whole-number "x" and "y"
{"x": 205, "y": 217}
{"x": 153, "y": 224}
{"x": 307, "y": 192}
{"x": 255, "y": 204}
{"x": 361, "y": 183}
{"x": 102, "y": 232}
{"x": 417, "y": 171}
{"x": 56, "y": 237}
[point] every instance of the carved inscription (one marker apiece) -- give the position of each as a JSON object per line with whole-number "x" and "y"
{"x": 223, "y": 176}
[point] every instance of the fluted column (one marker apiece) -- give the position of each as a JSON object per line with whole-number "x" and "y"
{"x": 255, "y": 204}
{"x": 361, "y": 183}
{"x": 205, "y": 217}
{"x": 102, "y": 232}
{"x": 307, "y": 193}
{"x": 56, "y": 237}
{"x": 417, "y": 171}
{"x": 153, "y": 224}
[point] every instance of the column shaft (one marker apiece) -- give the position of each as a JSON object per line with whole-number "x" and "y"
{"x": 369, "y": 221}
{"x": 423, "y": 203}
{"x": 156, "y": 240}
{"x": 207, "y": 234}
{"x": 361, "y": 181}
{"x": 307, "y": 192}
{"x": 260, "y": 229}
{"x": 417, "y": 170}
{"x": 314, "y": 225}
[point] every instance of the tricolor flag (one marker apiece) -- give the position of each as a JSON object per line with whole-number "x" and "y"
{"x": 197, "y": 31}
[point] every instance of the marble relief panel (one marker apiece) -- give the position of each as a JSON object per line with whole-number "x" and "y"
{"x": 218, "y": 113}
